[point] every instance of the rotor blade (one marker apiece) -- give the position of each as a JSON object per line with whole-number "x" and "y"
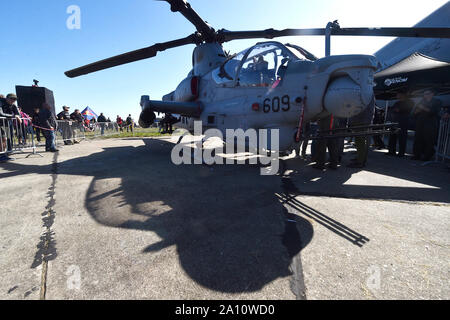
{"x": 225, "y": 35}
{"x": 394, "y": 32}
{"x": 186, "y": 10}
{"x": 132, "y": 56}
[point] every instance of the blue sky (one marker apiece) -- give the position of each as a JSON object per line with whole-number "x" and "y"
{"x": 36, "y": 44}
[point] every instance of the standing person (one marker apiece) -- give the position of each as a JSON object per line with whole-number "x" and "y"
{"x": 77, "y": 118}
{"x": 365, "y": 118}
{"x": 304, "y": 144}
{"x": 109, "y": 123}
{"x": 119, "y": 123}
{"x": 49, "y": 125}
{"x": 379, "y": 117}
{"x": 101, "y": 118}
{"x": 427, "y": 123}
{"x": 24, "y": 128}
{"x": 36, "y": 125}
{"x": 168, "y": 122}
{"x": 8, "y": 107}
{"x": 87, "y": 124}
{"x": 102, "y": 122}
{"x": 325, "y": 125}
{"x": 6, "y": 115}
{"x": 66, "y": 126}
{"x": 130, "y": 123}
{"x": 400, "y": 114}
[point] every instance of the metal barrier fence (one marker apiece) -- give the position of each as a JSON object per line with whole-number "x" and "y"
{"x": 20, "y": 135}
{"x": 17, "y": 135}
{"x": 106, "y": 129}
{"x": 68, "y": 132}
{"x": 71, "y": 131}
{"x": 443, "y": 144}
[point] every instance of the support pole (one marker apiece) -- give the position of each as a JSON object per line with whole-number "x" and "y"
{"x": 329, "y": 28}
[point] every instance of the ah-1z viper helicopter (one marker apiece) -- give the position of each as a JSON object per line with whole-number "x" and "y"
{"x": 267, "y": 86}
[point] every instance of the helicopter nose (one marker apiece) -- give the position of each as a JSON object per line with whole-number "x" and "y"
{"x": 345, "y": 98}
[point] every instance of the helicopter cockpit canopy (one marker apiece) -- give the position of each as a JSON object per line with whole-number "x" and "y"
{"x": 259, "y": 66}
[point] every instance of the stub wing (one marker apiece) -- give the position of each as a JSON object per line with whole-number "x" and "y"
{"x": 149, "y": 107}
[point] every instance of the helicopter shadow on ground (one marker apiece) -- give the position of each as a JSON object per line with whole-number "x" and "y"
{"x": 228, "y": 227}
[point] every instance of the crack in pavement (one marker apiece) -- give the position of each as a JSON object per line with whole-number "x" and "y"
{"x": 47, "y": 244}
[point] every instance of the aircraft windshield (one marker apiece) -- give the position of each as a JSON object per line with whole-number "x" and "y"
{"x": 227, "y": 71}
{"x": 264, "y": 65}
{"x": 260, "y": 66}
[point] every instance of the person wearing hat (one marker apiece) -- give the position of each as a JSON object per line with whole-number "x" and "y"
{"x": 65, "y": 125}
{"x": 8, "y": 105}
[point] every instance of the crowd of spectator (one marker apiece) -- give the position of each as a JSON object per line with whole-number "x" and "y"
{"x": 128, "y": 124}
{"x": 42, "y": 122}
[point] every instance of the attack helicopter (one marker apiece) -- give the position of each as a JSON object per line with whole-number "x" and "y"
{"x": 267, "y": 86}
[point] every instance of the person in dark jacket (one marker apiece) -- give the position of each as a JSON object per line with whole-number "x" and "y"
{"x": 8, "y": 106}
{"x": 101, "y": 118}
{"x": 379, "y": 118}
{"x": 77, "y": 116}
{"x": 130, "y": 123}
{"x": 401, "y": 111}
{"x": 49, "y": 125}
{"x": 427, "y": 123}
{"x": 78, "y": 120}
{"x": 102, "y": 122}
{"x": 5, "y": 134}
{"x": 65, "y": 125}
{"x": 10, "y": 111}
{"x": 304, "y": 144}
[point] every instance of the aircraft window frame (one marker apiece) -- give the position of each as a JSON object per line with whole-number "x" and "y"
{"x": 220, "y": 74}
{"x": 300, "y": 52}
{"x": 281, "y": 46}
{"x": 222, "y": 77}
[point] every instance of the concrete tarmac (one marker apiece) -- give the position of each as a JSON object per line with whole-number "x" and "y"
{"x": 115, "y": 219}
